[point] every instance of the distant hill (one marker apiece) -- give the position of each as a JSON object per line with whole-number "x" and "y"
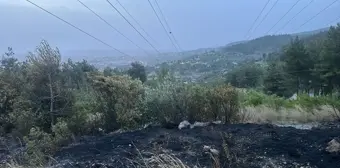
{"x": 262, "y": 44}
{"x": 209, "y": 64}
{"x": 268, "y": 43}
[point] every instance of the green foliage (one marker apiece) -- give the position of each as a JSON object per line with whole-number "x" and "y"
{"x": 49, "y": 98}
{"x": 86, "y": 116}
{"x": 246, "y": 76}
{"x": 197, "y": 104}
{"x": 121, "y": 96}
{"x": 137, "y": 71}
{"x": 331, "y": 57}
{"x": 73, "y": 74}
{"x": 39, "y": 147}
{"x": 257, "y": 98}
{"x": 165, "y": 102}
{"x": 298, "y": 64}
{"x": 11, "y": 84}
{"x": 173, "y": 102}
{"x": 62, "y": 134}
{"x": 225, "y": 103}
{"x": 276, "y": 81}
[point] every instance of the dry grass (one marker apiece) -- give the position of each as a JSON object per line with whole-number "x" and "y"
{"x": 264, "y": 114}
{"x": 165, "y": 161}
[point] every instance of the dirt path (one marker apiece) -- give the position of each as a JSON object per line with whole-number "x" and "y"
{"x": 249, "y": 145}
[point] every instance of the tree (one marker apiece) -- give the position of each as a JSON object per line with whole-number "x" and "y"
{"x": 315, "y": 48}
{"x": 276, "y": 81}
{"x": 246, "y": 76}
{"x": 45, "y": 90}
{"x": 138, "y": 71}
{"x": 298, "y": 64}
{"x": 11, "y": 84}
{"x": 330, "y": 59}
{"x": 74, "y": 73}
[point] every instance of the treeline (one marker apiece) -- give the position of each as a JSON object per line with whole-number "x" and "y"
{"x": 309, "y": 65}
{"x": 47, "y": 103}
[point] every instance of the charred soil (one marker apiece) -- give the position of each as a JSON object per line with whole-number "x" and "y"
{"x": 239, "y": 145}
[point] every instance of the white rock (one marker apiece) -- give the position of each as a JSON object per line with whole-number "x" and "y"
{"x": 217, "y": 122}
{"x": 214, "y": 151}
{"x": 184, "y": 124}
{"x": 206, "y": 148}
{"x": 199, "y": 124}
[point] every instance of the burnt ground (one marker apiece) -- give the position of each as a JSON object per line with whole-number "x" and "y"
{"x": 245, "y": 145}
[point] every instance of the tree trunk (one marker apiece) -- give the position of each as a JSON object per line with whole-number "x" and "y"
{"x": 51, "y": 99}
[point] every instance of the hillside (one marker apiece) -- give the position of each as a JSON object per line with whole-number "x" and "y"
{"x": 212, "y": 64}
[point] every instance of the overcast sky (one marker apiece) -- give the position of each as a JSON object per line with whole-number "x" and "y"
{"x": 195, "y": 23}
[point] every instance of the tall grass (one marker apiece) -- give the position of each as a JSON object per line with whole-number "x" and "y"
{"x": 259, "y": 107}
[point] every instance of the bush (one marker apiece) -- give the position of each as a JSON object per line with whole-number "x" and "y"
{"x": 22, "y": 117}
{"x": 309, "y": 102}
{"x": 198, "y": 105}
{"x": 121, "y": 97}
{"x": 225, "y": 103}
{"x": 86, "y": 114}
{"x": 256, "y": 98}
{"x": 62, "y": 134}
{"x": 165, "y": 102}
{"x": 171, "y": 102}
{"x": 39, "y": 146}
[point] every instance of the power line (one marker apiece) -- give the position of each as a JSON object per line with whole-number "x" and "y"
{"x": 283, "y": 16}
{"x": 257, "y": 18}
{"x": 166, "y": 32}
{"x": 335, "y": 20}
{"x": 76, "y": 27}
{"x": 317, "y": 14}
{"x": 136, "y": 21}
{"x": 132, "y": 25}
{"x": 266, "y": 15}
{"x": 166, "y": 23}
{"x": 310, "y": 2}
{"x": 101, "y": 18}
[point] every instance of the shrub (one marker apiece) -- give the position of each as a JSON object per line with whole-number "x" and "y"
{"x": 198, "y": 104}
{"x": 86, "y": 114}
{"x": 121, "y": 97}
{"x": 225, "y": 103}
{"x": 165, "y": 102}
{"x": 22, "y": 117}
{"x": 171, "y": 102}
{"x": 309, "y": 102}
{"x": 256, "y": 98}
{"x": 39, "y": 145}
{"x": 62, "y": 134}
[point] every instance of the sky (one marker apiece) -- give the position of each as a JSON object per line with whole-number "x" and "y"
{"x": 194, "y": 23}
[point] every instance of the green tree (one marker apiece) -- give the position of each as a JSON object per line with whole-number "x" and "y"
{"x": 276, "y": 80}
{"x": 246, "y": 76}
{"x": 45, "y": 89}
{"x": 138, "y": 71}
{"x": 298, "y": 65}
{"x": 11, "y": 84}
{"x": 74, "y": 73}
{"x": 331, "y": 58}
